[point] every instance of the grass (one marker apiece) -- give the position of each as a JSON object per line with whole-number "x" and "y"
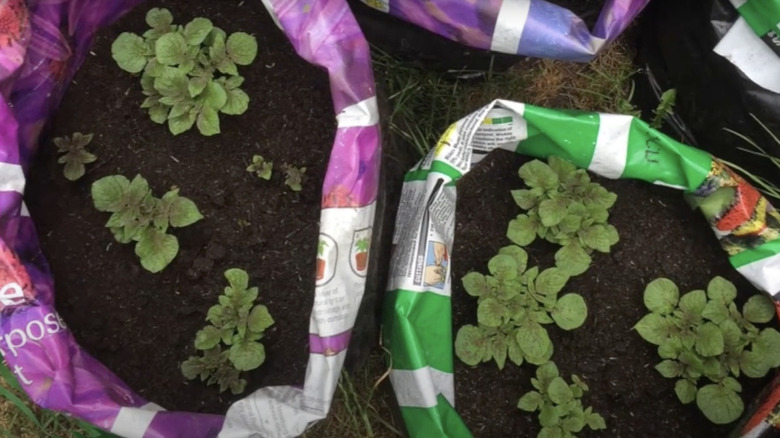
{"x": 361, "y": 407}
{"x": 19, "y": 418}
{"x": 769, "y": 189}
{"x": 423, "y": 104}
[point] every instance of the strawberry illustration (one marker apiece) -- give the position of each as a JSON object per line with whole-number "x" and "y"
{"x": 339, "y": 197}
{"x": 15, "y": 284}
{"x": 13, "y": 21}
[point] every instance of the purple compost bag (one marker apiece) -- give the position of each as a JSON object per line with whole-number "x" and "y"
{"x": 523, "y": 27}
{"x": 42, "y": 44}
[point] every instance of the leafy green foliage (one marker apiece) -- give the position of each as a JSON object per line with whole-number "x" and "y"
{"x": 665, "y": 108}
{"x": 138, "y": 216}
{"x": 236, "y": 323}
{"x": 704, "y": 335}
{"x": 189, "y": 73}
{"x": 563, "y": 207}
{"x": 513, "y": 305}
{"x": 293, "y": 177}
{"x": 75, "y": 155}
{"x": 559, "y": 404}
{"x": 262, "y": 168}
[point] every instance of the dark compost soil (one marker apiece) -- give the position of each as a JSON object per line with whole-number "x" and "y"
{"x": 142, "y": 325}
{"x": 660, "y": 236}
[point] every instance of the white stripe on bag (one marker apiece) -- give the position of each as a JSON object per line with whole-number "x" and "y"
{"x": 509, "y": 25}
{"x": 133, "y": 422}
{"x": 764, "y": 273}
{"x": 419, "y": 388}
{"x": 609, "y": 156}
{"x": 11, "y": 178}
{"x": 363, "y": 113}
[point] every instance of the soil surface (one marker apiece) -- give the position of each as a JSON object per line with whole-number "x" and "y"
{"x": 142, "y": 325}
{"x": 660, "y": 236}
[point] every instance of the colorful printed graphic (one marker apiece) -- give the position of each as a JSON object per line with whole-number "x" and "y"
{"x": 327, "y": 257}
{"x": 361, "y": 243}
{"x": 436, "y": 263}
{"x": 740, "y": 216}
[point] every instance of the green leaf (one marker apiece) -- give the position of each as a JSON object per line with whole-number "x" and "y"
{"x": 525, "y": 199}
{"x": 753, "y": 364}
{"x": 73, "y": 170}
{"x": 247, "y": 356}
{"x": 732, "y": 335}
{"x": 570, "y": 311}
{"x": 551, "y": 281}
{"x": 129, "y": 52}
{"x": 475, "y": 284}
{"x": 183, "y": 123}
{"x": 559, "y": 391}
{"x": 471, "y": 344}
{"x": 575, "y": 422}
{"x": 551, "y": 432}
{"x": 490, "y": 312}
{"x": 693, "y": 302}
{"x": 561, "y": 167}
{"x": 534, "y": 342}
{"x": 552, "y": 211}
{"x": 196, "y": 86}
{"x": 171, "y": 49}
{"x": 769, "y": 343}
{"x": 530, "y": 402}
{"x": 513, "y": 351}
{"x": 197, "y": 30}
{"x": 715, "y": 311}
{"x": 499, "y": 347}
{"x": 503, "y": 267}
{"x": 709, "y": 340}
{"x": 572, "y": 259}
{"x": 237, "y": 102}
{"x": 259, "y": 319}
{"x": 226, "y": 66}
{"x": 214, "y": 96}
{"x": 156, "y": 249}
{"x": 538, "y": 174}
{"x": 207, "y": 338}
{"x": 669, "y": 369}
{"x": 159, "y": 113}
{"x": 714, "y": 369}
{"x": 172, "y": 83}
{"x": 653, "y": 328}
{"x": 598, "y": 237}
{"x": 759, "y": 309}
{"x": 732, "y": 384}
{"x": 208, "y": 121}
{"x": 183, "y": 212}
{"x": 722, "y": 290}
{"x": 108, "y": 193}
{"x": 522, "y": 230}
{"x": 719, "y": 404}
{"x": 685, "y": 390}
{"x": 237, "y": 386}
{"x": 238, "y": 279}
{"x": 550, "y": 416}
{"x": 180, "y": 109}
{"x": 518, "y": 254}
{"x": 596, "y": 421}
{"x": 159, "y": 18}
{"x": 661, "y": 296}
{"x": 241, "y": 48}
{"x": 670, "y": 348}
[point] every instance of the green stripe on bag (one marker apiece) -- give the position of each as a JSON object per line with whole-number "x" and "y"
{"x": 438, "y": 422}
{"x": 761, "y": 15}
{"x": 420, "y": 330}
